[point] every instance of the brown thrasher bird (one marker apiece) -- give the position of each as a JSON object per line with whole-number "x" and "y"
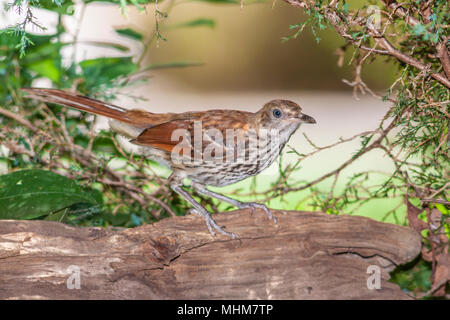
{"x": 253, "y": 141}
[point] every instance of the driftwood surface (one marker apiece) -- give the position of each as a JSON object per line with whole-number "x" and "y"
{"x": 304, "y": 256}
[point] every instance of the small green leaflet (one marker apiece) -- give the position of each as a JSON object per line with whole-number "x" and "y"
{"x": 200, "y": 22}
{"x": 130, "y": 33}
{"x": 29, "y": 194}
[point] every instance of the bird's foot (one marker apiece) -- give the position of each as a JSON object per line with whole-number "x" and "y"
{"x": 212, "y": 225}
{"x": 253, "y": 205}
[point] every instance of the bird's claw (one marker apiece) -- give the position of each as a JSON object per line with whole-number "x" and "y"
{"x": 253, "y": 205}
{"x": 212, "y": 225}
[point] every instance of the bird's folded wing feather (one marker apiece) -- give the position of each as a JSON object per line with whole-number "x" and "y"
{"x": 165, "y": 135}
{"x": 162, "y": 136}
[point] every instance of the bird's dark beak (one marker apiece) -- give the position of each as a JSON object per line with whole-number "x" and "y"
{"x": 307, "y": 119}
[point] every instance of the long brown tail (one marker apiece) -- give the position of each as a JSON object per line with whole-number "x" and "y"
{"x": 79, "y": 102}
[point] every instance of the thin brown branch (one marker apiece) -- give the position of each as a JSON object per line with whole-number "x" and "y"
{"x": 18, "y": 118}
{"x": 401, "y": 12}
{"x": 434, "y": 288}
{"x": 441, "y": 201}
{"x": 374, "y": 145}
{"x": 442, "y": 53}
{"x": 125, "y": 185}
{"x": 384, "y": 43}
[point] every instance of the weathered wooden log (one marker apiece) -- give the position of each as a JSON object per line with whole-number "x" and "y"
{"x": 304, "y": 256}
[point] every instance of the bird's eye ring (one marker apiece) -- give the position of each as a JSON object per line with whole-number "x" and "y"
{"x": 277, "y": 113}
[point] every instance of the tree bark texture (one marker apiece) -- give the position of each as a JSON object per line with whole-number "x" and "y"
{"x": 304, "y": 256}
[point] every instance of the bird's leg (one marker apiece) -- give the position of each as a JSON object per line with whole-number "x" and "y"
{"x": 239, "y": 204}
{"x": 201, "y": 211}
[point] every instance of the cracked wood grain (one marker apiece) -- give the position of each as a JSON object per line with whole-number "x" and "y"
{"x": 304, "y": 256}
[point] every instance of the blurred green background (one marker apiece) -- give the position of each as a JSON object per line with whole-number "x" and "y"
{"x": 245, "y": 52}
{"x": 242, "y": 49}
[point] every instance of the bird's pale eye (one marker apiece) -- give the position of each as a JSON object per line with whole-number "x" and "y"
{"x": 277, "y": 113}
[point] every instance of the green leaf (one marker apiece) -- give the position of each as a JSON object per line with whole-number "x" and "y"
{"x": 107, "y": 45}
{"x": 46, "y": 68}
{"x": 30, "y": 194}
{"x": 62, "y": 7}
{"x": 44, "y": 58}
{"x": 58, "y": 215}
{"x": 200, "y": 22}
{"x": 103, "y": 70}
{"x": 8, "y": 39}
{"x": 130, "y": 33}
{"x": 174, "y": 64}
{"x": 345, "y": 7}
{"x": 441, "y": 208}
{"x": 11, "y": 39}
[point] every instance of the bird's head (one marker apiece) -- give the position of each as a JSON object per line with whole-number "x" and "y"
{"x": 282, "y": 115}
